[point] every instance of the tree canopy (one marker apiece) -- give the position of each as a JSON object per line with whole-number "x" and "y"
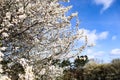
{"x": 35, "y": 32}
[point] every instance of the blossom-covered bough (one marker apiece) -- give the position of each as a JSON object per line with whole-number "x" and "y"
{"x": 33, "y": 33}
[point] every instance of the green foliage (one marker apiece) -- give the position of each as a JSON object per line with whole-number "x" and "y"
{"x": 75, "y": 69}
{"x": 109, "y": 71}
{"x": 56, "y": 62}
{"x": 0, "y": 41}
{"x": 12, "y": 69}
{"x": 81, "y": 61}
{"x": 93, "y": 71}
{"x": 65, "y": 63}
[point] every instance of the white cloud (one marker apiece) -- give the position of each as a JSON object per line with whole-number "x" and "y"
{"x": 114, "y": 37}
{"x": 93, "y": 36}
{"x": 99, "y": 53}
{"x": 106, "y": 4}
{"x": 93, "y": 54}
{"x": 89, "y": 51}
{"x": 103, "y": 35}
{"x": 115, "y": 51}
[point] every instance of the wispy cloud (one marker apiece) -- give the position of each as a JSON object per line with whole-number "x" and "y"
{"x": 93, "y": 36}
{"x": 115, "y": 51}
{"x": 114, "y": 37}
{"x": 106, "y": 4}
{"x": 94, "y": 54}
{"x": 103, "y": 35}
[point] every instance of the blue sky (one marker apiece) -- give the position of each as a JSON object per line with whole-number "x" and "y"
{"x": 101, "y": 21}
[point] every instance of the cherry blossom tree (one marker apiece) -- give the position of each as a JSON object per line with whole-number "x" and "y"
{"x": 33, "y": 33}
